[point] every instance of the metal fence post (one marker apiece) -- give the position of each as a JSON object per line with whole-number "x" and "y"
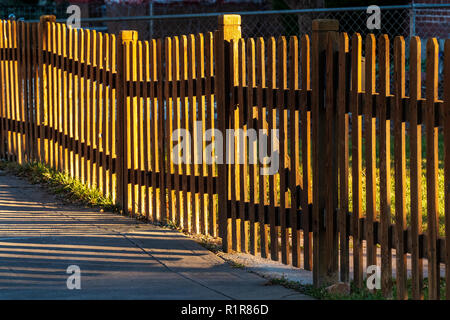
{"x": 229, "y": 28}
{"x": 324, "y": 271}
{"x": 123, "y": 107}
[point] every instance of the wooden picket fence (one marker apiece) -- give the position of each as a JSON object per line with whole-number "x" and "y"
{"x": 104, "y": 109}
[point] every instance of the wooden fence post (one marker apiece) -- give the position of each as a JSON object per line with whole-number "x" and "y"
{"x": 325, "y": 269}
{"x": 124, "y": 67}
{"x": 229, "y": 28}
{"x": 42, "y": 107}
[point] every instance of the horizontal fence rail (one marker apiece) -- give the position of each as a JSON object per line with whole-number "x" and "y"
{"x": 361, "y": 153}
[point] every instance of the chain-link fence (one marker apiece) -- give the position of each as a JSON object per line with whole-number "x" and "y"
{"x": 153, "y": 20}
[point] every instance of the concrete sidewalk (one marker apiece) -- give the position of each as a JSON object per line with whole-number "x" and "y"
{"x": 119, "y": 257}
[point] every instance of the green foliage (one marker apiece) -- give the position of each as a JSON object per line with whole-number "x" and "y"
{"x": 355, "y": 293}
{"x": 70, "y": 189}
{"x": 322, "y": 293}
{"x": 425, "y": 289}
{"x": 440, "y": 181}
{"x": 236, "y": 265}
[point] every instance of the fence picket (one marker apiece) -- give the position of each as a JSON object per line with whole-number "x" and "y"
{"x": 15, "y": 93}
{"x": 210, "y": 119}
{"x": 80, "y": 113}
{"x": 129, "y": 129}
{"x": 147, "y": 121}
{"x": 175, "y": 126}
{"x": 168, "y": 119}
{"x": 330, "y": 96}
{"x": 153, "y": 128}
{"x": 99, "y": 110}
{"x": 262, "y": 125}
{"x": 139, "y": 149}
{"x": 22, "y": 94}
{"x": 60, "y": 89}
{"x": 400, "y": 167}
{"x": 2, "y": 99}
{"x": 370, "y": 154}
{"x": 192, "y": 130}
{"x": 282, "y": 85}
{"x": 294, "y": 176}
{"x": 201, "y": 114}
{"x": 252, "y": 151}
{"x": 271, "y": 114}
{"x": 105, "y": 135}
{"x": 65, "y": 123}
{"x": 113, "y": 112}
{"x": 86, "y": 105}
{"x": 233, "y": 191}
{"x": 50, "y": 154}
{"x": 306, "y": 152}
{"x": 385, "y": 165}
{"x": 25, "y": 91}
{"x": 415, "y": 94}
{"x": 7, "y": 99}
{"x": 160, "y": 129}
{"x": 343, "y": 155}
{"x": 133, "y": 130}
{"x": 356, "y": 158}
{"x": 432, "y": 166}
{"x": 184, "y": 124}
{"x": 241, "y": 148}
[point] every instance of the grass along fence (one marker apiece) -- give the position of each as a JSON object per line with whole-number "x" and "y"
{"x": 104, "y": 108}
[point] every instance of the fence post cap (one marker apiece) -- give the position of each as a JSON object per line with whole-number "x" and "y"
{"x": 325, "y": 25}
{"x": 128, "y": 35}
{"x": 230, "y": 19}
